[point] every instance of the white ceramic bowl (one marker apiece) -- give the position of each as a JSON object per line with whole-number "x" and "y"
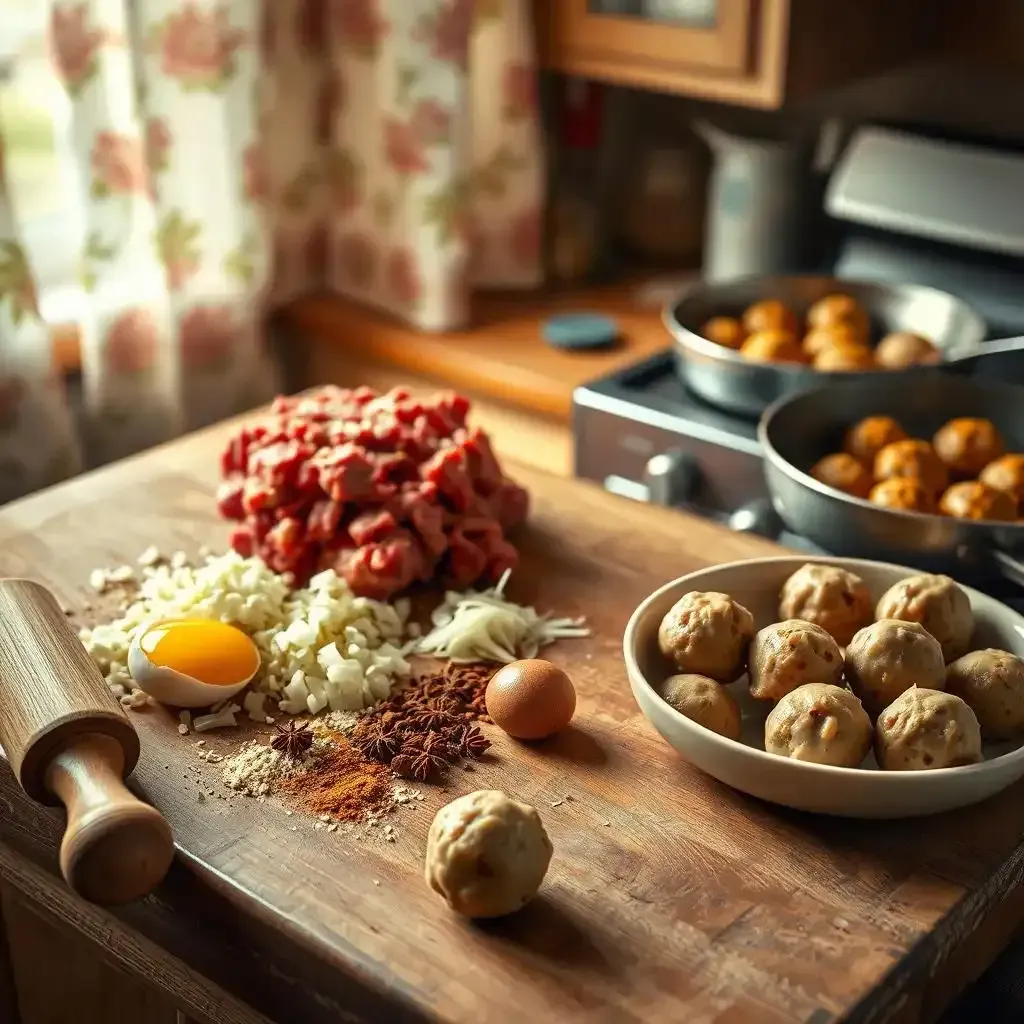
{"x": 864, "y": 792}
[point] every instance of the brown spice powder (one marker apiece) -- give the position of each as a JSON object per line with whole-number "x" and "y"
{"x": 341, "y": 784}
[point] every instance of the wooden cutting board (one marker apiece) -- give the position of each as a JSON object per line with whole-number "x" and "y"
{"x": 670, "y": 897}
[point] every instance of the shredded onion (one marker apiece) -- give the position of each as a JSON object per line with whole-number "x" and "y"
{"x": 484, "y": 626}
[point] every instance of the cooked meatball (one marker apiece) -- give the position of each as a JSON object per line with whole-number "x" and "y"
{"x": 705, "y": 702}
{"x": 772, "y": 346}
{"x": 724, "y": 330}
{"x": 967, "y": 445}
{"x": 844, "y": 473}
{"x": 820, "y": 338}
{"x": 769, "y": 315}
{"x": 887, "y": 657}
{"x": 992, "y": 684}
{"x": 913, "y": 458}
{"x": 788, "y": 654}
{"x": 904, "y": 494}
{"x": 840, "y": 309}
{"x": 938, "y": 604}
{"x": 707, "y": 634}
{"x": 924, "y": 729}
{"x": 971, "y": 499}
{"x": 903, "y": 348}
{"x": 836, "y": 600}
{"x": 864, "y": 440}
{"x": 844, "y": 359}
{"x": 819, "y": 723}
{"x": 1006, "y": 474}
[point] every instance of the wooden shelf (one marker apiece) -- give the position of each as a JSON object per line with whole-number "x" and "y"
{"x": 504, "y": 355}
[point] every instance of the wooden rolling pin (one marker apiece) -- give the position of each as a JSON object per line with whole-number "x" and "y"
{"x": 69, "y": 742}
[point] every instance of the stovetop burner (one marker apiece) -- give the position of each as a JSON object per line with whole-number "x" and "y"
{"x": 641, "y": 434}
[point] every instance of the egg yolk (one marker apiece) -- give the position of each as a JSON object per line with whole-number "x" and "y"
{"x": 211, "y": 652}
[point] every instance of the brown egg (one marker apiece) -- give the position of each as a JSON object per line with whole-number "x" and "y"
{"x": 968, "y": 444}
{"x": 866, "y": 438}
{"x": 844, "y": 359}
{"x": 769, "y": 315}
{"x": 845, "y": 473}
{"x": 903, "y": 348}
{"x": 530, "y": 699}
{"x": 818, "y": 339}
{"x": 726, "y": 331}
{"x": 972, "y": 499}
{"x": 773, "y": 346}
{"x": 840, "y": 309}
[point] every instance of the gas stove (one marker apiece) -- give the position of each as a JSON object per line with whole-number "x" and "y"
{"x": 641, "y": 434}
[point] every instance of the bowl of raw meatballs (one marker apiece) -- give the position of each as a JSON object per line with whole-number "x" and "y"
{"x": 838, "y": 686}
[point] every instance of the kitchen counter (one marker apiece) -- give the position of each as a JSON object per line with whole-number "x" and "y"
{"x": 503, "y": 356}
{"x": 670, "y": 897}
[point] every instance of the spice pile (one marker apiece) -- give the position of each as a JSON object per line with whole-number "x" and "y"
{"x": 424, "y": 730}
{"x": 385, "y": 489}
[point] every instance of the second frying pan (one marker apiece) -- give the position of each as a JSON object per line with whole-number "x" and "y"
{"x": 795, "y": 432}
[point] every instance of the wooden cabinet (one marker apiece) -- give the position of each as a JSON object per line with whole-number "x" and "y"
{"x": 759, "y": 53}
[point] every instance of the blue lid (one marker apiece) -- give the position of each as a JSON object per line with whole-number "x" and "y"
{"x": 580, "y": 331}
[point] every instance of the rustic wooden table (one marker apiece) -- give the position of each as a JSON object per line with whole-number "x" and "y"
{"x": 670, "y": 897}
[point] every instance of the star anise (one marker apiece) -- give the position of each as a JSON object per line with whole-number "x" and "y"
{"x": 378, "y": 744}
{"x": 440, "y": 744}
{"x": 422, "y": 762}
{"x": 437, "y": 714}
{"x": 292, "y": 740}
{"x": 474, "y": 742}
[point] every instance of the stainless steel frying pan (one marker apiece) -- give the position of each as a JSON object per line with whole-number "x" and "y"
{"x": 795, "y": 432}
{"x": 723, "y": 378}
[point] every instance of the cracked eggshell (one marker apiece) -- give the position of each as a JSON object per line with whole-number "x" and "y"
{"x": 487, "y": 854}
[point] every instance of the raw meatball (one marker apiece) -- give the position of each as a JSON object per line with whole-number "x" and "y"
{"x": 1006, "y": 474}
{"x": 789, "y": 654}
{"x": 836, "y": 600}
{"x": 724, "y": 330}
{"x": 971, "y": 499}
{"x": 487, "y": 854}
{"x": 820, "y": 338}
{"x": 705, "y": 702}
{"x": 769, "y": 315}
{"x": 905, "y": 494}
{"x": 707, "y": 634}
{"x": 844, "y": 359}
{"x": 967, "y": 445}
{"x": 913, "y": 458}
{"x": 864, "y": 440}
{"x": 904, "y": 348}
{"x": 888, "y": 657}
{"x": 819, "y": 723}
{"x": 992, "y": 684}
{"x": 938, "y": 604}
{"x": 772, "y": 347}
{"x": 834, "y": 310}
{"x": 924, "y": 729}
{"x": 844, "y": 473}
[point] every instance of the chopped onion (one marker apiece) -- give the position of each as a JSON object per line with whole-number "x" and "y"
{"x": 484, "y": 626}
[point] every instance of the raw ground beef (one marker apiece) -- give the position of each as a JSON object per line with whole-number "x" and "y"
{"x": 386, "y": 489}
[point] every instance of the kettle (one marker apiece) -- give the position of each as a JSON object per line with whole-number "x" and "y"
{"x": 751, "y": 223}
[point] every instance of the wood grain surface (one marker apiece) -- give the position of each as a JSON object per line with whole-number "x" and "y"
{"x": 670, "y": 897}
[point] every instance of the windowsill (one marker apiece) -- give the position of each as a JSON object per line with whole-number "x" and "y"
{"x": 502, "y": 357}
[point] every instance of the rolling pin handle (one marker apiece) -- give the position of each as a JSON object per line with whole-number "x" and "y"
{"x": 115, "y": 849}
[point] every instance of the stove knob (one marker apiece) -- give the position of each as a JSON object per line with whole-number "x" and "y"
{"x": 671, "y": 478}
{"x": 758, "y": 517}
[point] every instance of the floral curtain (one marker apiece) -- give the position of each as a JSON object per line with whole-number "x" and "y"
{"x": 168, "y": 168}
